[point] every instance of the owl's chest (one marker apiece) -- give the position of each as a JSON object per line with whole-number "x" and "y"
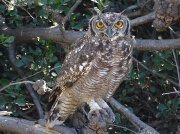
{"x": 112, "y": 49}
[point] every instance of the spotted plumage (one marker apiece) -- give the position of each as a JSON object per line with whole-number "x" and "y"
{"x": 93, "y": 69}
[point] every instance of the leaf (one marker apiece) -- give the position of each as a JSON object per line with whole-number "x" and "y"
{"x": 65, "y": 1}
{"x": 53, "y": 59}
{"x": 25, "y": 60}
{"x": 18, "y": 63}
{"x": 158, "y": 115}
{"x": 9, "y": 39}
{"x": 20, "y": 100}
{"x": 78, "y": 26}
{"x": 4, "y": 82}
{"x": 117, "y": 117}
{"x": 168, "y": 66}
{"x": 162, "y": 107}
{"x": 4, "y": 44}
{"x": 57, "y": 67}
{"x": 2, "y": 102}
{"x": 124, "y": 92}
{"x": 152, "y": 89}
{"x": 30, "y": 58}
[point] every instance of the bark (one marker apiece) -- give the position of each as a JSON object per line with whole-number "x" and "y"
{"x": 25, "y": 35}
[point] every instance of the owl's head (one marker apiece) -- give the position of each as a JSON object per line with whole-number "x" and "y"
{"x": 109, "y": 25}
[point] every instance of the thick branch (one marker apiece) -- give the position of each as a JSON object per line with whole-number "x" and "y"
{"x": 25, "y": 35}
{"x": 16, "y": 126}
{"x": 142, "y": 20}
{"x": 132, "y": 118}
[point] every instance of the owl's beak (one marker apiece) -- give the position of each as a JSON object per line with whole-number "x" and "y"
{"x": 109, "y": 31}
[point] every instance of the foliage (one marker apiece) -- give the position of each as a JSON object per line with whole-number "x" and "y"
{"x": 141, "y": 92}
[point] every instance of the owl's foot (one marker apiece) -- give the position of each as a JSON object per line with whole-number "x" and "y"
{"x": 79, "y": 120}
{"x": 111, "y": 117}
{"x": 97, "y": 115}
{"x": 97, "y": 120}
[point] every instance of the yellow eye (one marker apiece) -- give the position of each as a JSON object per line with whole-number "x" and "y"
{"x": 99, "y": 24}
{"x": 119, "y": 24}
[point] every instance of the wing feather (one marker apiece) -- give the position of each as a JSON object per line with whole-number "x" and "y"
{"x": 75, "y": 65}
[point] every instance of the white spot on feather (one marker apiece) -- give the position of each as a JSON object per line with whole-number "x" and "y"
{"x": 71, "y": 69}
{"x": 80, "y": 68}
{"x": 84, "y": 63}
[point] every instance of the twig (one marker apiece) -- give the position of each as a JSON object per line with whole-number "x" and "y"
{"x": 132, "y": 118}
{"x": 174, "y": 55}
{"x": 123, "y": 128}
{"x": 18, "y": 6}
{"x": 16, "y": 83}
{"x": 32, "y": 75}
{"x": 71, "y": 10}
{"x": 56, "y": 16}
{"x": 2, "y": 113}
{"x": 154, "y": 72}
{"x": 175, "y": 92}
{"x": 11, "y": 51}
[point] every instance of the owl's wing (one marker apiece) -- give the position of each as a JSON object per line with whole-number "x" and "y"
{"x": 75, "y": 65}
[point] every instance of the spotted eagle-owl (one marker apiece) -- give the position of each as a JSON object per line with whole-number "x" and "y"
{"x": 93, "y": 69}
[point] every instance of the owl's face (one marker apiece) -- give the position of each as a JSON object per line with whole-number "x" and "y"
{"x": 109, "y": 25}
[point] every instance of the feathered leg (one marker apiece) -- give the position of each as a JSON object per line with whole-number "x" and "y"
{"x": 64, "y": 105}
{"x": 104, "y": 105}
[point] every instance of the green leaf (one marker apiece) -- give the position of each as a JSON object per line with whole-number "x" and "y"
{"x": 30, "y": 58}
{"x": 57, "y": 67}
{"x": 9, "y": 39}
{"x": 168, "y": 66}
{"x": 65, "y": 1}
{"x": 78, "y": 26}
{"x": 162, "y": 107}
{"x": 158, "y": 115}
{"x": 20, "y": 101}
{"x": 4, "y": 44}
{"x": 117, "y": 115}
{"x": 53, "y": 59}
{"x": 18, "y": 63}
{"x": 152, "y": 89}
{"x": 25, "y": 60}
{"x": 4, "y": 82}
{"x": 124, "y": 92}
{"x": 2, "y": 102}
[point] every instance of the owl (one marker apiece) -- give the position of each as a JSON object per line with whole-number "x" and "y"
{"x": 93, "y": 69}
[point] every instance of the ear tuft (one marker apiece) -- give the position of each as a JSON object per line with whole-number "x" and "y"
{"x": 95, "y": 11}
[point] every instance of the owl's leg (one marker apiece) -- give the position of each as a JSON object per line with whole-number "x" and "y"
{"x": 104, "y": 105}
{"x": 64, "y": 105}
{"x": 96, "y": 113}
{"x": 97, "y": 117}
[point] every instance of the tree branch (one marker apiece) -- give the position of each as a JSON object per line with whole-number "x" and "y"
{"x": 71, "y": 10}
{"x": 132, "y": 118}
{"x": 18, "y": 126}
{"x": 25, "y": 35}
{"x": 142, "y": 20}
